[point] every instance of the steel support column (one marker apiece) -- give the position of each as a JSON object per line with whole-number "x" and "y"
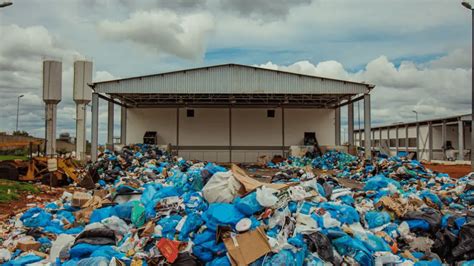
{"x": 368, "y": 151}
{"x": 283, "y": 131}
{"x": 338, "y": 126}
{"x": 417, "y": 141}
{"x": 380, "y": 137}
{"x": 230, "y": 134}
{"x": 110, "y": 125}
{"x": 461, "y": 140}
{"x": 443, "y": 138}
{"x": 389, "y": 142}
{"x": 177, "y": 131}
{"x": 406, "y": 138}
{"x": 350, "y": 123}
{"x": 430, "y": 141}
{"x": 397, "y": 141}
{"x": 123, "y": 125}
{"x": 95, "y": 126}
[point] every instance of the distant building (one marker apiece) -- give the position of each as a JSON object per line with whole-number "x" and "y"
{"x": 438, "y": 139}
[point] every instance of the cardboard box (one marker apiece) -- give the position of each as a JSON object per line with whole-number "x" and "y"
{"x": 246, "y": 248}
{"x": 27, "y": 244}
{"x": 80, "y": 198}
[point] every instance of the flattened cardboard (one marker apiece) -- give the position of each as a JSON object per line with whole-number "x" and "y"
{"x": 249, "y": 183}
{"x": 248, "y": 247}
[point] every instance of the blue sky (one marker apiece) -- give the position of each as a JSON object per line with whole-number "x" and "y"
{"x": 417, "y": 52}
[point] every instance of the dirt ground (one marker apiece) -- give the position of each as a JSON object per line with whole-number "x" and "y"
{"x": 29, "y": 200}
{"x": 455, "y": 171}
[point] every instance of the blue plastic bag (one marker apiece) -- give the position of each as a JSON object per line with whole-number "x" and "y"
{"x": 374, "y": 243}
{"x": 36, "y": 217}
{"x": 213, "y": 168}
{"x": 376, "y": 219}
{"x": 159, "y": 194}
{"x": 418, "y": 224}
{"x": 284, "y": 257}
{"x": 202, "y": 253}
{"x": 168, "y": 225}
{"x": 193, "y": 222}
{"x": 428, "y": 263}
{"x": 205, "y": 236}
{"x": 96, "y": 261}
{"x": 124, "y": 210}
{"x": 100, "y": 214}
{"x": 107, "y": 252}
{"x": 193, "y": 201}
{"x": 248, "y": 205}
{"x": 426, "y": 194}
{"x": 62, "y": 214}
{"x": 342, "y": 213}
{"x": 83, "y": 250}
{"x": 222, "y": 214}
{"x": 355, "y": 248}
{"x": 379, "y": 181}
{"x": 24, "y": 260}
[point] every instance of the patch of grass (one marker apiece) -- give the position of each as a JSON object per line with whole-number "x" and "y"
{"x": 12, "y": 157}
{"x": 10, "y": 190}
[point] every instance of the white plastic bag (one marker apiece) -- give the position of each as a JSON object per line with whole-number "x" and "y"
{"x": 62, "y": 241}
{"x": 305, "y": 223}
{"x": 5, "y": 255}
{"x": 266, "y": 197}
{"x": 278, "y": 218}
{"x": 119, "y": 226}
{"x": 298, "y": 193}
{"x": 222, "y": 187}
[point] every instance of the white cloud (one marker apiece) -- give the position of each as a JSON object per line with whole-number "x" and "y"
{"x": 432, "y": 91}
{"x": 103, "y": 76}
{"x": 163, "y": 32}
{"x": 459, "y": 58}
{"x": 270, "y": 10}
{"x": 21, "y": 54}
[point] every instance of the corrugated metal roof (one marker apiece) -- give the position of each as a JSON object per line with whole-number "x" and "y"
{"x": 231, "y": 78}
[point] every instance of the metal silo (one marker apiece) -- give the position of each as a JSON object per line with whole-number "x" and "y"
{"x": 82, "y": 96}
{"x": 52, "y": 84}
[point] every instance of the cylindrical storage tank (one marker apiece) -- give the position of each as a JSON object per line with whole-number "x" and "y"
{"x": 82, "y": 77}
{"x": 52, "y": 81}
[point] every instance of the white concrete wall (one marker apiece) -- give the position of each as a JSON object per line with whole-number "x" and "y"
{"x": 209, "y": 126}
{"x": 321, "y": 121}
{"x": 250, "y": 127}
{"x": 161, "y": 120}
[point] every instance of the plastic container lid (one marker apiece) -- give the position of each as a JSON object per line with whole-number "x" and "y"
{"x": 243, "y": 225}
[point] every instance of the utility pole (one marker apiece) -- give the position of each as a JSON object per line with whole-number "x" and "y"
{"x": 18, "y": 110}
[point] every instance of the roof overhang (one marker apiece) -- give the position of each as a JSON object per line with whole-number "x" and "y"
{"x": 151, "y": 100}
{"x": 231, "y": 85}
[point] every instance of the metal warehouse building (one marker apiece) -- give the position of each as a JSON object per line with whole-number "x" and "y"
{"x": 428, "y": 139}
{"x": 229, "y": 113}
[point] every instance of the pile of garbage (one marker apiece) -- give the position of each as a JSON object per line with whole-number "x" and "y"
{"x": 149, "y": 208}
{"x": 331, "y": 160}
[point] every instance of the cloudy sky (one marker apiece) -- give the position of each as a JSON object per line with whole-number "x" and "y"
{"x": 416, "y": 52}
